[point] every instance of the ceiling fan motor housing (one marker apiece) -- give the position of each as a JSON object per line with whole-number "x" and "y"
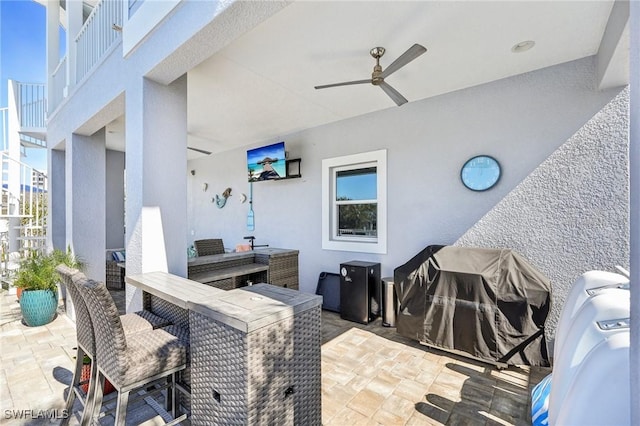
{"x": 376, "y": 77}
{"x": 377, "y": 52}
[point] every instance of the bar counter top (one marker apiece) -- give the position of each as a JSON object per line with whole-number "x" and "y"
{"x": 215, "y": 258}
{"x": 172, "y": 288}
{"x": 253, "y": 307}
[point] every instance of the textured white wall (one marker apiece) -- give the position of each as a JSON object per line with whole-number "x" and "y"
{"x": 519, "y": 120}
{"x": 570, "y": 215}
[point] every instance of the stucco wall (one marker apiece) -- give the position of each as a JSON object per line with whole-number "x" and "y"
{"x": 570, "y": 215}
{"x": 520, "y": 120}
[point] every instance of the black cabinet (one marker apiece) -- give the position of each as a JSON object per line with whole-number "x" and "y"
{"x": 359, "y": 291}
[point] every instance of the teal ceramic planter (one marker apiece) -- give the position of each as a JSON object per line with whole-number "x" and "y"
{"x": 38, "y": 306}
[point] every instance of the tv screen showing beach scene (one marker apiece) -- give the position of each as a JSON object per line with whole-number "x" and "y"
{"x": 267, "y": 163}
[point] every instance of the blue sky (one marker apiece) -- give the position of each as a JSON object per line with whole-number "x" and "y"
{"x": 22, "y": 43}
{"x": 23, "y": 53}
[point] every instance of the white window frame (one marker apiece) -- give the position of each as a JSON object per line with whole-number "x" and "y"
{"x": 330, "y": 239}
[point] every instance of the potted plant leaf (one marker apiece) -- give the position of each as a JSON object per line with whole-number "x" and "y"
{"x": 38, "y": 278}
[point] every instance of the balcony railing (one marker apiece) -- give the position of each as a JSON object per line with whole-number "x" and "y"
{"x": 31, "y": 99}
{"x": 59, "y": 82}
{"x": 4, "y": 129}
{"x": 24, "y": 197}
{"x": 98, "y": 34}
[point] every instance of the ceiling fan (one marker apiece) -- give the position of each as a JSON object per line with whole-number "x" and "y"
{"x": 202, "y": 151}
{"x": 378, "y": 75}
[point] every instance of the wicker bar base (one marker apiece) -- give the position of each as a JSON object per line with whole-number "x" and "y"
{"x": 282, "y": 268}
{"x": 177, "y": 315}
{"x": 269, "y": 375}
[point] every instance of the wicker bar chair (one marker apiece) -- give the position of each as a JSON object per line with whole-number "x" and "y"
{"x": 130, "y": 360}
{"x": 132, "y": 323}
{"x": 209, "y": 246}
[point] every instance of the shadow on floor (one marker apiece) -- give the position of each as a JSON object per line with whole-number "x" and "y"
{"x": 484, "y": 396}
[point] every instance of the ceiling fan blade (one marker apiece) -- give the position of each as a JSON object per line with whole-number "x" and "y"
{"x": 346, "y": 83}
{"x": 202, "y": 151}
{"x": 393, "y": 94}
{"x": 412, "y": 53}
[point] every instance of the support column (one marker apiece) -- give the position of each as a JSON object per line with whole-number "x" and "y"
{"x": 115, "y": 199}
{"x": 53, "y": 45}
{"x": 156, "y": 180}
{"x": 56, "y": 225}
{"x": 85, "y": 200}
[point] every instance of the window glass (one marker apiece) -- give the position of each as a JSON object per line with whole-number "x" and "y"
{"x": 358, "y": 219}
{"x": 356, "y": 184}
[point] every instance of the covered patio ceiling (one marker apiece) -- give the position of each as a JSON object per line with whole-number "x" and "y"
{"x": 261, "y": 86}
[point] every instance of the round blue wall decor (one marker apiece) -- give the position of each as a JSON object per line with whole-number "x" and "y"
{"x": 480, "y": 173}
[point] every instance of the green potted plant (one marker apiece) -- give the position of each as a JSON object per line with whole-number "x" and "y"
{"x": 38, "y": 278}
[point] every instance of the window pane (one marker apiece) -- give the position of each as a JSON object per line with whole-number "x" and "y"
{"x": 356, "y": 184}
{"x": 358, "y": 219}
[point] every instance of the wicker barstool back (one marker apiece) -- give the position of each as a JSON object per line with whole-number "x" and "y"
{"x": 209, "y": 246}
{"x": 129, "y": 360}
{"x": 86, "y": 342}
{"x": 111, "y": 342}
{"x": 84, "y": 329}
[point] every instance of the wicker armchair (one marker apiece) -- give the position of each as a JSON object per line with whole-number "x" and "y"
{"x": 114, "y": 275}
{"x": 209, "y": 246}
{"x": 129, "y": 360}
{"x": 132, "y": 323}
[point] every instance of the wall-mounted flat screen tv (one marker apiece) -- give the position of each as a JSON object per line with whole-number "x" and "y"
{"x": 267, "y": 162}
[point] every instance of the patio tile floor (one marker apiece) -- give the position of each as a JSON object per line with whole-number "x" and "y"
{"x": 370, "y": 376}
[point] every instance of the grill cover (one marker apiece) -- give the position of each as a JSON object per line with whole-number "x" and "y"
{"x": 489, "y": 303}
